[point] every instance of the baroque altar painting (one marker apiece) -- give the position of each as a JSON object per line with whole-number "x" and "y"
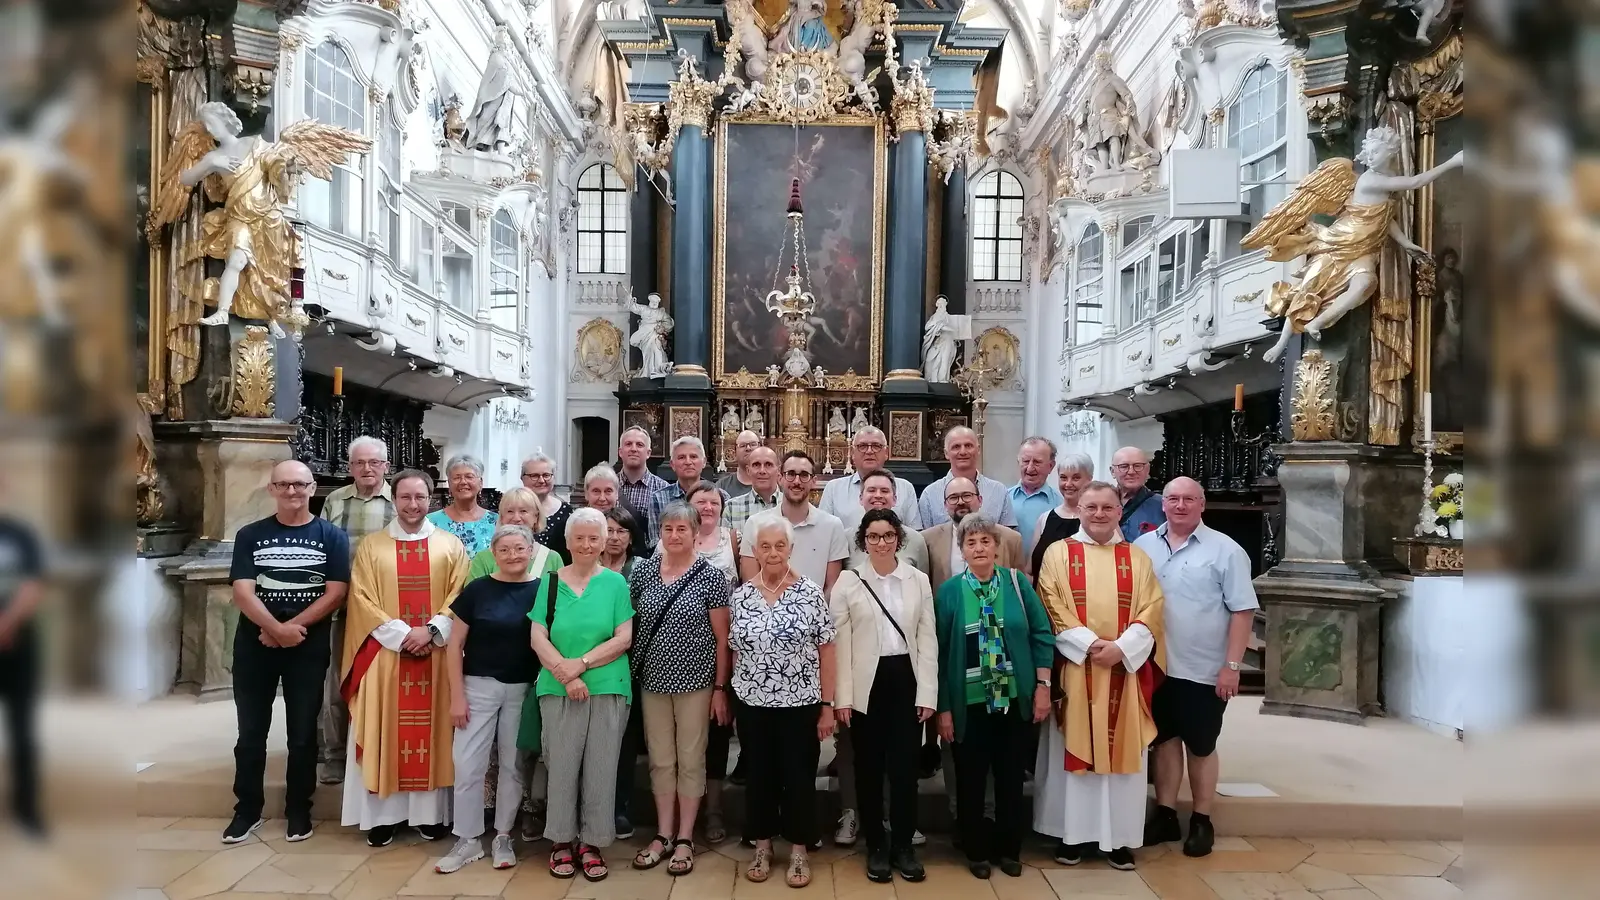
{"x": 841, "y": 167}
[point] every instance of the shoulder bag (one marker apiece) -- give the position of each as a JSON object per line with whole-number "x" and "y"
{"x": 528, "y": 732}
{"x": 638, "y": 659}
{"x": 884, "y": 609}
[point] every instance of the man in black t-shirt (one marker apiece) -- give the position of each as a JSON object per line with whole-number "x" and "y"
{"x": 290, "y": 572}
{"x": 20, "y": 594}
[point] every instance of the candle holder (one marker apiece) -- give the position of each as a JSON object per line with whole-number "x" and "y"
{"x": 1427, "y": 517}
{"x": 1259, "y": 442}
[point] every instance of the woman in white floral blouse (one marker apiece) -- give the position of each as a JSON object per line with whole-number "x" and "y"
{"x": 781, "y": 636}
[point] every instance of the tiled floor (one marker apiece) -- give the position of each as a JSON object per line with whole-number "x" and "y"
{"x": 182, "y": 859}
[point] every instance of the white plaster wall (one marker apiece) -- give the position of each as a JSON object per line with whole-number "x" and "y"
{"x": 144, "y": 606}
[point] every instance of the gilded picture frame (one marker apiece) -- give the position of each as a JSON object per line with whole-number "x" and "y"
{"x": 849, "y": 380}
{"x": 1435, "y": 110}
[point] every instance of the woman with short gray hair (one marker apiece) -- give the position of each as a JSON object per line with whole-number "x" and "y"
{"x": 463, "y": 516}
{"x": 1073, "y": 472}
{"x": 539, "y": 476}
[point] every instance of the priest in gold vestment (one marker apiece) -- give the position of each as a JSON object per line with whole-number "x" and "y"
{"x": 402, "y": 582}
{"x": 1105, "y": 605}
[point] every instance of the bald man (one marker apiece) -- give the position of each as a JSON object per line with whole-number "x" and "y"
{"x": 289, "y": 573}
{"x": 1210, "y": 609}
{"x": 1141, "y": 507}
{"x": 738, "y": 482}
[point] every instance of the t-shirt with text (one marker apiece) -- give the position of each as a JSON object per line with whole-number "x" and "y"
{"x": 291, "y": 566}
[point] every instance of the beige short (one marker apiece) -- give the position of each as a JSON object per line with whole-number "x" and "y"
{"x": 675, "y": 730}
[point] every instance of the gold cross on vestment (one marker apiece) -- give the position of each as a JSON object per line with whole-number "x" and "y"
{"x": 422, "y": 552}
{"x": 405, "y": 752}
{"x": 424, "y": 685}
{"x": 422, "y": 752}
{"x": 408, "y": 684}
{"x": 1077, "y": 568}
{"x": 405, "y": 553}
{"x": 1122, "y": 568}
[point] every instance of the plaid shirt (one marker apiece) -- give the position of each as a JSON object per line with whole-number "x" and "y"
{"x": 357, "y": 517}
{"x": 636, "y": 495}
{"x": 664, "y": 497}
{"x": 739, "y": 510}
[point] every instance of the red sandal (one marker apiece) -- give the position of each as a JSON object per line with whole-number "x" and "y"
{"x": 594, "y": 865}
{"x": 561, "y": 857}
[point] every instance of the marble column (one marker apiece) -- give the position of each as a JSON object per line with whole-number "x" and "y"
{"x": 691, "y": 252}
{"x": 904, "y": 289}
{"x": 953, "y": 242}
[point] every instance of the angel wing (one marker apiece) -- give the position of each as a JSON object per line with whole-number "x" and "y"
{"x": 172, "y": 195}
{"x": 317, "y": 147}
{"x": 1323, "y": 192}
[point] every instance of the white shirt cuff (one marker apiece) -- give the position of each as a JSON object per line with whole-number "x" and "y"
{"x": 1074, "y": 643}
{"x": 1136, "y": 644}
{"x": 443, "y": 624}
{"x": 391, "y": 634}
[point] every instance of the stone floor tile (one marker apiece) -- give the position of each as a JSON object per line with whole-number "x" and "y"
{"x": 1096, "y": 879}
{"x": 329, "y": 838}
{"x": 188, "y": 839}
{"x": 822, "y": 883}
{"x": 1402, "y": 887}
{"x": 1256, "y": 886}
{"x": 1432, "y": 851}
{"x": 952, "y": 883}
{"x": 153, "y": 823}
{"x": 1281, "y": 845}
{"x": 1455, "y": 847}
{"x": 381, "y": 876}
{"x": 219, "y": 873}
{"x": 302, "y": 873}
{"x": 534, "y": 882}
{"x": 476, "y": 880}
{"x": 1172, "y": 883}
{"x": 1329, "y": 845}
{"x": 1318, "y": 879}
{"x": 1226, "y": 844}
{"x": 849, "y": 883}
{"x": 149, "y": 894}
{"x": 248, "y": 895}
{"x": 624, "y": 883}
{"x": 1357, "y": 893}
{"x": 1031, "y": 886}
{"x": 1229, "y": 861}
{"x": 159, "y": 868}
{"x": 212, "y": 825}
{"x": 1370, "y": 846}
{"x": 712, "y": 878}
{"x": 1456, "y": 874}
{"x": 1377, "y": 864}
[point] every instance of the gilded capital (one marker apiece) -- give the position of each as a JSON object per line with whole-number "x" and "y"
{"x": 912, "y": 106}
{"x": 689, "y": 98}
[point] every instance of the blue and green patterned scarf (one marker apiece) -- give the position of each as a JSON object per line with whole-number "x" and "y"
{"x": 992, "y": 660}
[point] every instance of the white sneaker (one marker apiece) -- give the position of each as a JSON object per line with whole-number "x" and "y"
{"x": 846, "y": 835}
{"x": 504, "y": 854}
{"x": 465, "y": 851}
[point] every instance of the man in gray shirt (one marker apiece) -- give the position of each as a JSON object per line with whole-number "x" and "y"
{"x": 1210, "y": 607}
{"x": 961, "y": 449}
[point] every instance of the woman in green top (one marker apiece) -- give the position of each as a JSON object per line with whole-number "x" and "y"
{"x": 519, "y": 506}
{"x": 995, "y": 653}
{"x": 584, "y": 691}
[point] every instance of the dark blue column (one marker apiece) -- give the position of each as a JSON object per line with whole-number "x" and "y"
{"x": 953, "y": 241}
{"x": 908, "y": 228}
{"x": 691, "y": 252}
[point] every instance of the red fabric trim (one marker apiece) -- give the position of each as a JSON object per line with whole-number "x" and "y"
{"x": 365, "y": 654}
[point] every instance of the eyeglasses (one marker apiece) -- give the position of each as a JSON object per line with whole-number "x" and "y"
{"x": 961, "y": 498}
{"x": 748, "y": 445}
{"x": 800, "y": 476}
{"x": 294, "y": 485}
{"x": 368, "y": 463}
{"x": 887, "y": 537}
{"x": 538, "y": 476}
{"x": 871, "y": 447}
{"x": 1129, "y": 467}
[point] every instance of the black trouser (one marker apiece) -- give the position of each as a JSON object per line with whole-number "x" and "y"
{"x": 992, "y": 743}
{"x": 628, "y": 759}
{"x": 886, "y": 740}
{"x": 257, "y": 671}
{"x": 781, "y": 748}
{"x": 717, "y": 740}
{"x": 19, "y": 692}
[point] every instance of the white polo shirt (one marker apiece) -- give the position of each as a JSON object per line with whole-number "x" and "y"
{"x": 818, "y": 540}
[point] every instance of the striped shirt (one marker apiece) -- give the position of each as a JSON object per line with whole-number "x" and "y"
{"x": 357, "y": 517}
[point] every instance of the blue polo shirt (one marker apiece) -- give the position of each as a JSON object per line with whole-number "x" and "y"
{"x": 1029, "y": 507}
{"x": 1141, "y": 514}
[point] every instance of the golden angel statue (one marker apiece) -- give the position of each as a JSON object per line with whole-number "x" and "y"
{"x": 252, "y": 178}
{"x": 1341, "y": 270}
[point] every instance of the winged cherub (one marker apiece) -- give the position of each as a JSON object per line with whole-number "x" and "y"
{"x": 1341, "y": 270}
{"x": 252, "y": 178}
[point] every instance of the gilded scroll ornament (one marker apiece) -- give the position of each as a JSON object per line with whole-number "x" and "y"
{"x": 253, "y": 178}
{"x": 1341, "y": 270}
{"x": 147, "y": 502}
{"x": 1003, "y": 351}
{"x": 598, "y": 353}
{"x": 1311, "y": 415}
{"x": 254, "y": 377}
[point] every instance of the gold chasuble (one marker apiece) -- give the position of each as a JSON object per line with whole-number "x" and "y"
{"x": 1106, "y": 588}
{"x": 399, "y": 704}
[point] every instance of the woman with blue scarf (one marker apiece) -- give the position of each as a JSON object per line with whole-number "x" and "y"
{"x": 995, "y": 653}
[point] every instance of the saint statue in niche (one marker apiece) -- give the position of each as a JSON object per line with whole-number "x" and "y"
{"x": 802, "y": 28}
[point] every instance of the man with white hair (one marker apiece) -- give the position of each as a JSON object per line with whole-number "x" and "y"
{"x": 738, "y": 482}
{"x": 961, "y": 449}
{"x": 1033, "y": 495}
{"x": 688, "y": 462}
{"x": 359, "y": 508}
{"x": 1141, "y": 507}
{"x": 842, "y": 496}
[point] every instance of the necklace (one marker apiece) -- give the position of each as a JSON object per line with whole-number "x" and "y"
{"x": 775, "y": 591}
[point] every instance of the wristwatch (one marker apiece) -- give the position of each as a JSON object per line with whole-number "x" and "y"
{"x": 433, "y": 630}
{"x": 585, "y": 661}
{"x": 828, "y": 703}
{"x": 1233, "y": 667}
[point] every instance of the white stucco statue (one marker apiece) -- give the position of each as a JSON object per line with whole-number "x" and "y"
{"x": 1108, "y": 123}
{"x": 651, "y": 338}
{"x": 939, "y": 344}
{"x": 489, "y": 126}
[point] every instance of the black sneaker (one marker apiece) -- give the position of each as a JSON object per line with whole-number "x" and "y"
{"x": 433, "y": 832}
{"x": 1201, "y": 836}
{"x": 879, "y": 870}
{"x": 979, "y": 868}
{"x": 906, "y": 863}
{"x": 1162, "y": 827}
{"x": 1068, "y": 854}
{"x": 1011, "y": 867}
{"x": 1120, "y": 858}
{"x": 240, "y": 829}
{"x": 381, "y": 835}
{"x": 297, "y": 827}
{"x": 624, "y": 828}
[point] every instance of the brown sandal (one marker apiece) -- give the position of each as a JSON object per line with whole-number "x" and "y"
{"x": 760, "y": 866}
{"x": 648, "y": 858}
{"x": 561, "y": 857}
{"x": 681, "y": 865}
{"x": 799, "y": 871}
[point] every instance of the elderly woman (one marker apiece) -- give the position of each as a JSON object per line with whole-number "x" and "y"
{"x": 539, "y": 476}
{"x": 995, "y": 650}
{"x": 781, "y": 636}
{"x": 602, "y": 490}
{"x": 713, "y": 542}
{"x": 888, "y": 684}
{"x": 463, "y": 517}
{"x": 1073, "y": 471}
{"x": 584, "y": 692}
{"x": 681, "y": 663}
{"x": 619, "y": 555}
{"x": 490, "y": 663}
{"x": 519, "y": 506}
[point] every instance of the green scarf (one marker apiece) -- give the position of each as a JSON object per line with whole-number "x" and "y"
{"x": 995, "y": 667}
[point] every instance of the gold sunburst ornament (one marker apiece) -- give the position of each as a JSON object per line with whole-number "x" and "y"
{"x": 804, "y": 87}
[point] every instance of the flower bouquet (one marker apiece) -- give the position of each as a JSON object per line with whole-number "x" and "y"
{"x": 1448, "y": 506}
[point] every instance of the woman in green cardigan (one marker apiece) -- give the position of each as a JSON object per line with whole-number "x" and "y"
{"x": 996, "y": 651}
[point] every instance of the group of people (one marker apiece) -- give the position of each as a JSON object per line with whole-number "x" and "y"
{"x": 1066, "y": 630}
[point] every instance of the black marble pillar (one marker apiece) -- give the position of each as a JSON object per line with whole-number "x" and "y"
{"x": 691, "y": 252}
{"x": 953, "y": 242}
{"x": 908, "y": 217}
{"x": 642, "y": 273}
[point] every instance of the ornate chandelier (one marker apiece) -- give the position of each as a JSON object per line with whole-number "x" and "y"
{"x": 796, "y": 306}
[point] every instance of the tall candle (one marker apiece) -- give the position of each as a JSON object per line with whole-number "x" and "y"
{"x": 1427, "y": 416}
{"x": 1238, "y": 397}
{"x": 338, "y": 381}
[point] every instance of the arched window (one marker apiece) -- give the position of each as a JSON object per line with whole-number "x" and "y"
{"x": 1258, "y": 128}
{"x": 333, "y": 95}
{"x": 996, "y": 223}
{"x": 504, "y": 272}
{"x": 602, "y": 222}
{"x": 1090, "y": 285}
